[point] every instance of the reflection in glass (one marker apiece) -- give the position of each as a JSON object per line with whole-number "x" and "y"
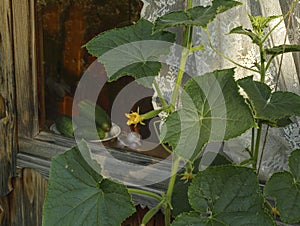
{"x": 64, "y": 26}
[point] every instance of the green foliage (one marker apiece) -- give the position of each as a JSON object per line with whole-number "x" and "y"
{"x": 259, "y": 26}
{"x": 212, "y": 110}
{"x": 285, "y": 188}
{"x": 180, "y": 200}
{"x": 267, "y": 105}
{"x": 260, "y": 23}
{"x": 243, "y": 31}
{"x": 79, "y": 195}
{"x": 196, "y": 16}
{"x": 132, "y": 50}
{"x": 225, "y": 195}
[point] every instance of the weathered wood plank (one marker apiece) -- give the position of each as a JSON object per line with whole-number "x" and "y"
{"x": 23, "y": 14}
{"x": 2, "y": 107}
{"x": 7, "y": 83}
{"x": 27, "y": 198}
{"x": 4, "y": 208}
{"x": 23, "y": 206}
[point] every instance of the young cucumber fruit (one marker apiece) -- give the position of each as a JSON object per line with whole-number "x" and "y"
{"x": 64, "y": 125}
{"x": 86, "y": 109}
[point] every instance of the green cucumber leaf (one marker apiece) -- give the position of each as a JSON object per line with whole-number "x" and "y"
{"x": 225, "y": 195}
{"x": 283, "y": 122}
{"x": 276, "y": 50}
{"x": 79, "y": 195}
{"x": 180, "y": 202}
{"x": 270, "y": 106}
{"x": 240, "y": 30}
{"x": 213, "y": 158}
{"x": 132, "y": 50}
{"x": 284, "y": 187}
{"x": 191, "y": 219}
{"x": 212, "y": 110}
{"x": 196, "y": 16}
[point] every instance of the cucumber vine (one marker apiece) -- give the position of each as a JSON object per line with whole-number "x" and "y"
{"x": 212, "y": 110}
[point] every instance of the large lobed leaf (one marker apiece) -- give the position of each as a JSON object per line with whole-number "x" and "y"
{"x": 196, "y": 16}
{"x": 132, "y": 50}
{"x": 269, "y": 106}
{"x": 212, "y": 110}
{"x": 180, "y": 202}
{"x": 193, "y": 219}
{"x": 226, "y": 195}
{"x": 284, "y": 187}
{"x": 79, "y": 195}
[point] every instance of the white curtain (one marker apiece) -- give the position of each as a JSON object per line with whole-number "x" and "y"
{"x": 281, "y": 141}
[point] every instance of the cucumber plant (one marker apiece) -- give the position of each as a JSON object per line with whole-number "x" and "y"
{"x": 212, "y": 109}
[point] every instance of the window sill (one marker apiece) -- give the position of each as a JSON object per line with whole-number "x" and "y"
{"x": 36, "y": 153}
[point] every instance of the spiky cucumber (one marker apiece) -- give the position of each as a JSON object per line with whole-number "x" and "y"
{"x": 64, "y": 125}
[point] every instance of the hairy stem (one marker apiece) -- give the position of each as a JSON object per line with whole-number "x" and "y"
{"x": 190, "y": 4}
{"x": 262, "y": 63}
{"x": 262, "y": 79}
{"x": 161, "y": 98}
{"x": 269, "y": 62}
{"x": 143, "y": 192}
{"x": 263, "y": 149}
{"x": 152, "y": 113}
{"x": 184, "y": 56}
{"x": 226, "y": 57}
{"x": 257, "y": 144}
{"x": 252, "y": 141}
{"x": 151, "y": 213}
{"x": 157, "y": 134}
{"x": 168, "y": 207}
{"x": 187, "y": 46}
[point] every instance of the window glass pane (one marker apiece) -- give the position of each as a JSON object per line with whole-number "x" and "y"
{"x": 64, "y": 26}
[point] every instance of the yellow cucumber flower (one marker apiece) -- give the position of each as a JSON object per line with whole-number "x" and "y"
{"x": 134, "y": 118}
{"x": 187, "y": 176}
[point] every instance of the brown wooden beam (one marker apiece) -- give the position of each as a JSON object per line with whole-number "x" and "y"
{"x": 8, "y": 139}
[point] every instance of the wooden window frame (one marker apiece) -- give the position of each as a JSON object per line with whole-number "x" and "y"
{"x": 32, "y": 148}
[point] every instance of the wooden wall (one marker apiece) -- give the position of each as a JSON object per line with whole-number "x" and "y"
{"x": 8, "y": 140}
{"x": 23, "y": 205}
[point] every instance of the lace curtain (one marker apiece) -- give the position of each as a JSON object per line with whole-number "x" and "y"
{"x": 281, "y": 141}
